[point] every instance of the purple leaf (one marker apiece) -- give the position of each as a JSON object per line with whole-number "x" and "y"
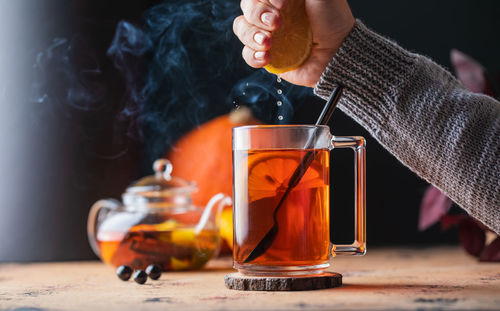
{"x": 471, "y": 73}
{"x": 491, "y": 252}
{"x": 451, "y": 220}
{"x": 471, "y": 236}
{"x": 434, "y": 205}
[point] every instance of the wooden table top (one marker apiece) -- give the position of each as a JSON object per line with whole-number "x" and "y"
{"x": 387, "y": 278}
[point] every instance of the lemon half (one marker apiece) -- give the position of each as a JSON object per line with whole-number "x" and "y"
{"x": 292, "y": 41}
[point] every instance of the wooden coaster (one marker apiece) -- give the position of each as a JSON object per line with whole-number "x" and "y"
{"x": 324, "y": 280}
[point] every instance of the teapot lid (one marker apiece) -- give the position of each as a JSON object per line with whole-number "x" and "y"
{"x": 160, "y": 188}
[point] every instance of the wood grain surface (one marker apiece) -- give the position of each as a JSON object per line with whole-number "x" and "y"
{"x": 413, "y": 279}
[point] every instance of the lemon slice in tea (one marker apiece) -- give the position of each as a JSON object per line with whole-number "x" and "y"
{"x": 179, "y": 264}
{"x": 270, "y": 172}
{"x": 292, "y": 41}
{"x": 184, "y": 237}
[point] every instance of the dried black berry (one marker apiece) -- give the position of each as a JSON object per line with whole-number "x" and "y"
{"x": 124, "y": 272}
{"x": 154, "y": 272}
{"x": 140, "y": 277}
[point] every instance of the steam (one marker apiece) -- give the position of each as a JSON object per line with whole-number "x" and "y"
{"x": 70, "y": 87}
{"x": 181, "y": 67}
{"x": 66, "y": 72}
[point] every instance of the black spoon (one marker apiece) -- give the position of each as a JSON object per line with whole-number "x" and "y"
{"x": 299, "y": 172}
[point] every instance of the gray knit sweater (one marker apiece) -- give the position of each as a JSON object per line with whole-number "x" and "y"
{"x": 423, "y": 116}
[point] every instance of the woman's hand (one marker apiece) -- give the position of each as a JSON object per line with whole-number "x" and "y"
{"x": 331, "y": 21}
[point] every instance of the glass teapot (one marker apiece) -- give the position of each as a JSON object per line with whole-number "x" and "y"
{"x": 156, "y": 224}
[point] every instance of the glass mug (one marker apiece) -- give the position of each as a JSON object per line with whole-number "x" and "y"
{"x": 281, "y": 199}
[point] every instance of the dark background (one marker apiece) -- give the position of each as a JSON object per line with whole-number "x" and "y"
{"x": 57, "y": 160}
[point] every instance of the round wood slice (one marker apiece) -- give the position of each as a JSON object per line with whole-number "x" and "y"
{"x": 240, "y": 281}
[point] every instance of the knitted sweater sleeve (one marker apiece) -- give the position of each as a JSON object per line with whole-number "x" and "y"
{"x": 423, "y": 116}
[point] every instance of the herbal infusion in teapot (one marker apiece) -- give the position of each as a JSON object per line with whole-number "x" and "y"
{"x": 165, "y": 245}
{"x": 156, "y": 224}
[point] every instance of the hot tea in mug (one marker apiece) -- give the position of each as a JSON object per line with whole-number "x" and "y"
{"x": 281, "y": 199}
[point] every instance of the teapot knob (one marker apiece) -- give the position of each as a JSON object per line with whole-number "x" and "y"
{"x": 163, "y": 168}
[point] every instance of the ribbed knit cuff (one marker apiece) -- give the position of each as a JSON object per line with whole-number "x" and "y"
{"x": 372, "y": 69}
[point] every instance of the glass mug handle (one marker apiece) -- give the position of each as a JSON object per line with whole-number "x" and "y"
{"x": 358, "y": 145}
{"x": 92, "y": 222}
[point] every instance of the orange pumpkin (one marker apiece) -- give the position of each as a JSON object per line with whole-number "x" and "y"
{"x": 204, "y": 155}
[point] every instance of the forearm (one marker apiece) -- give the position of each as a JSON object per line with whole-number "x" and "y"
{"x": 423, "y": 116}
